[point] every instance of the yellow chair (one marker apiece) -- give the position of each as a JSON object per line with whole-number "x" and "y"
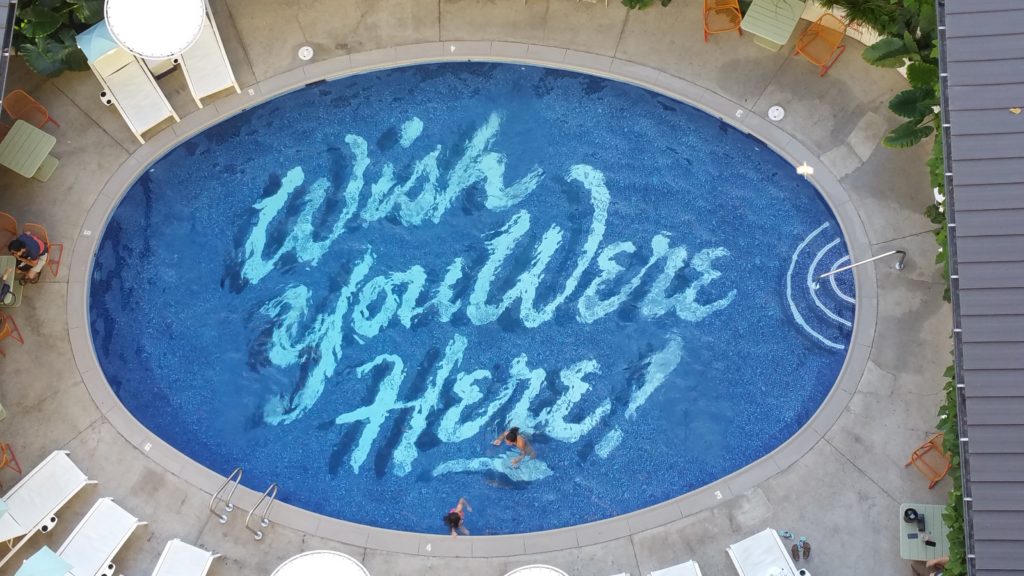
{"x": 822, "y": 42}
{"x": 931, "y": 460}
{"x": 721, "y": 16}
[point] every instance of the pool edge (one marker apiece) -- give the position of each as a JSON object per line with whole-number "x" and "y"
{"x": 635, "y": 522}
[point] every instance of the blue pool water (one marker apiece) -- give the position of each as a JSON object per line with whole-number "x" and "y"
{"x": 352, "y": 289}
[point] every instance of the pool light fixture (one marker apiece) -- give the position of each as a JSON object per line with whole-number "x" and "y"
{"x": 155, "y": 29}
{"x": 805, "y": 170}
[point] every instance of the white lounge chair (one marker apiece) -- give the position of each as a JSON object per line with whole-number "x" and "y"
{"x": 127, "y": 82}
{"x": 33, "y": 503}
{"x": 685, "y": 569}
{"x": 205, "y": 64}
{"x": 181, "y": 559}
{"x": 91, "y": 547}
{"x": 763, "y": 554}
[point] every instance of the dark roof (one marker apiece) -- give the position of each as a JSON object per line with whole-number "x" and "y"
{"x": 983, "y": 59}
{"x": 7, "y": 8}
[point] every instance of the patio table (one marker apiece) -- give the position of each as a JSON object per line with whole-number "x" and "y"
{"x": 6, "y": 262}
{"x": 25, "y": 147}
{"x": 912, "y": 546}
{"x": 772, "y": 21}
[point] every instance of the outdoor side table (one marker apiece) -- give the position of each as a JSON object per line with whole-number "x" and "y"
{"x": 914, "y": 548}
{"x": 772, "y": 21}
{"x": 25, "y": 148}
{"x": 16, "y": 287}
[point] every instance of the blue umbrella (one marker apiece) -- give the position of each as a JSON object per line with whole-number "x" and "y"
{"x": 96, "y": 41}
{"x": 44, "y": 563}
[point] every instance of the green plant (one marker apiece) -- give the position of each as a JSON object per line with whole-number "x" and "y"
{"x": 954, "y": 513}
{"x": 45, "y": 30}
{"x": 642, "y": 4}
{"x": 878, "y": 14}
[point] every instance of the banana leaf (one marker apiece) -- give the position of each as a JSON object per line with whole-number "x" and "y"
{"x": 87, "y": 11}
{"x": 51, "y": 56}
{"x": 907, "y": 134}
{"x": 914, "y": 103}
{"x": 37, "y": 21}
{"x": 888, "y": 52}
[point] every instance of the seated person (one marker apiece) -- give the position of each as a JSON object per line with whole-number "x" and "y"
{"x": 930, "y": 568}
{"x": 6, "y": 291}
{"x": 512, "y": 437}
{"x": 31, "y": 253}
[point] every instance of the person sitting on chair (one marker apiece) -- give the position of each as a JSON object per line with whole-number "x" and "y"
{"x": 31, "y": 253}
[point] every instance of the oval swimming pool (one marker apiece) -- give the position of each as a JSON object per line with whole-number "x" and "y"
{"x": 352, "y": 289}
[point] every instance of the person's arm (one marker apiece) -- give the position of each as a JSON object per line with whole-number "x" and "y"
{"x": 497, "y": 441}
{"x": 939, "y": 562}
{"x": 6, "y": 274}
{"x": 463, "y": 502}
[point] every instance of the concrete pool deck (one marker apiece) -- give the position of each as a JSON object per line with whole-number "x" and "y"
{"x": 842, "y": 491}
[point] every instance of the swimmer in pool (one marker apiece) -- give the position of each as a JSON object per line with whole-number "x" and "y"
{"x": 453, "y": 519}
{"x": 512, "y": 437}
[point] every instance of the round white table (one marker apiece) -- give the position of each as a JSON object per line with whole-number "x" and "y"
{"x": 155, "y": 29}
{"x": 321, "y": 563}
{"x": 537, "y": 570}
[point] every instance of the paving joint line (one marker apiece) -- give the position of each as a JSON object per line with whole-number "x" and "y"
{"x": 859, "y": 469}
{"x": 86, "y": 114}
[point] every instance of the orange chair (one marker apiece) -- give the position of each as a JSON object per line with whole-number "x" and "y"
{"x": 822, "y": 42}
{"x": 8, "y": 460}
{"x": 931, "y": 460}
{"x": 721, "y": 16}
{"x": 9, "y": 328}
{"x": 21, "y": 106}
{"x": 55, "y": 251}
{"x": 8, "y": 230}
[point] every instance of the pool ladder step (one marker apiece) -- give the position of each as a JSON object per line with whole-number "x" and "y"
{"x": 266, "y": 501}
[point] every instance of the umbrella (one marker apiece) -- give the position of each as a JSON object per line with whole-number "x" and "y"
{"x": 44, "y": 563}
{"x": 96, "y": 41}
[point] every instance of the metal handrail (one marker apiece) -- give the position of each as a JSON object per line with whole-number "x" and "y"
{"x": 268, "y": 496}
{"x": 233, "y": 479}
{"x": 899, "y": 263}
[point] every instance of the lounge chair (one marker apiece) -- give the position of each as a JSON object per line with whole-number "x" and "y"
{"x": 931, "y": 460}
{"x": 33, "y": 503}
{"x": 822, "y": 42}
{"x": 127, "y": 82}
{"x": 763, "y": 554}
{"x": 205, "y": 64}
{"x": 181, "y": 559}
{"x": 721, "y": 16}
{"x": 97, "y": 538}
{"x": 685, "y": 569}
{"x": 20, "y": 106}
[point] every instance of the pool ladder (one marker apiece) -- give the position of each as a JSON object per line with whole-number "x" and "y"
{"x": 230, "y": 484}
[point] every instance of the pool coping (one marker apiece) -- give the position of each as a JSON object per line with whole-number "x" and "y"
{"x": 441, "y": 545}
